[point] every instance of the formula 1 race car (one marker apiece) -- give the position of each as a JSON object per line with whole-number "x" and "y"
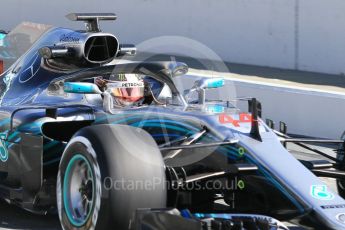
{"x": 119, "y": 145}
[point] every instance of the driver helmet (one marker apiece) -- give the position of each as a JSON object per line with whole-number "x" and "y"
{"x": 125, "y": 89}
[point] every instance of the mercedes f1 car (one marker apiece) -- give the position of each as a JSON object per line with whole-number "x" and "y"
{"x": 163, "y": 160}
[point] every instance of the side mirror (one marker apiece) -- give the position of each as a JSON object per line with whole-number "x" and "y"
{"x": 54, "y": 52}
{"x": 81, "y": 87}
{"x": 209, "y": 83}
{"x": 201, "y": 85}
{"x": 127, "y": 49}
{"x": 2, "y": 37}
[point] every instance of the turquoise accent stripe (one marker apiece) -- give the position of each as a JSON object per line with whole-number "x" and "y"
{"x": 16, "y": 141}
{"x": 165, "y": 126}
{"x": 162, "y": 122}
{"x": 33, "y": 127}
{"x": 12, "y": 135}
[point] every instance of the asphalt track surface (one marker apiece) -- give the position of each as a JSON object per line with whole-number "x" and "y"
{"x": 12, "y": 218}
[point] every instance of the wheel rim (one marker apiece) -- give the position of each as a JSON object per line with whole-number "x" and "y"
{"x": 78, "y": 190}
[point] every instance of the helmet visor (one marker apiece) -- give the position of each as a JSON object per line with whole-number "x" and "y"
{"x": 128, "y": 94}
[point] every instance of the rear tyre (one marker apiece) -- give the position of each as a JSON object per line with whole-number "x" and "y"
{"x": 105, "y": 174}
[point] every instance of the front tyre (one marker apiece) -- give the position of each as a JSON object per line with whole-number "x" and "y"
{"x": 79, "y": 186}
{"x": 97, "y": 158}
